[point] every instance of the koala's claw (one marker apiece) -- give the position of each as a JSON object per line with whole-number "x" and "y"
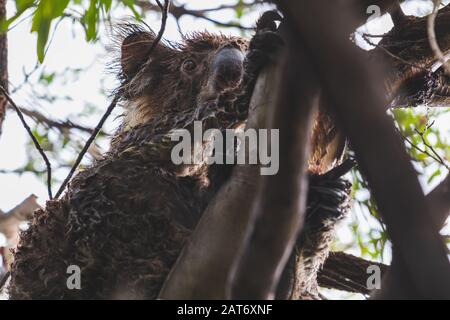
{"x": 266, "y": 40}
{"x": 268, "y": 20}
{"x": 328, "y": 196}
{"x": 263, "y": 50}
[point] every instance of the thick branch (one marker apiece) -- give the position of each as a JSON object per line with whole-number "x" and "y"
{"x": 411, "y": 61}
{"x": 10, "y": 223}
{"x": 217, "y": 239}
{"x": 439, "y": 200}
{"x": 349, "y": 273}
{"x": 278, "y": 211}
{"x": 346, "y": 272}
{"x": 22, "y": 212}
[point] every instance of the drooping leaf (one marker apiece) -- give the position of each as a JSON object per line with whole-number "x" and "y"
{"x": 46, "y": 12}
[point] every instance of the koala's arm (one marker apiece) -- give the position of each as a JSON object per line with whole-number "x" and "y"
{"x": 263, "y": 49}
{"x": 328, "y": 203}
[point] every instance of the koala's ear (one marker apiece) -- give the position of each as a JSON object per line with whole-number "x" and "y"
{"x": 135, "y": 51}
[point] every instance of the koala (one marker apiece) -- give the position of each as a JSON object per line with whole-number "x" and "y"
{"x": 125, "y": 243}
{"x": 125, "y": 219}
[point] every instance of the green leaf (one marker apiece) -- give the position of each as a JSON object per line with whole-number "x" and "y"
{"x": 47, "y": 78}
{"x": 46, "y": 12}
{"x": 43, "y": 30}
{"x": 131, "y": 5}
{"x": 240, "y": 9}
{"x": 106, "y": 4}
{"x": 22, "y": 5}
{"x": 91, "y": 20}
{"x": 435, "y": 174}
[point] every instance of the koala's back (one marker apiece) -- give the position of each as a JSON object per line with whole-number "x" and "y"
{"x": 124, "y": 245}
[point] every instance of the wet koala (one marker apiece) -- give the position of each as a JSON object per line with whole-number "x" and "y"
{"x": 124, "y": 220}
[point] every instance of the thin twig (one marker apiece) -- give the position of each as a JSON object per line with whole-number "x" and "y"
{"x": 87, "y": 145}
{"x": 223, "y": 24}
{"x": 164, "y": 11}
{"x": 113, "y": 104}
{"x": 425, "y": 142}
{"x": 178, "y": 11}
{"x": 33, "y": 138}
{"x": 366, "y": 36}
{"x": 436, "y": 158}
{"x": 50, "y": 123}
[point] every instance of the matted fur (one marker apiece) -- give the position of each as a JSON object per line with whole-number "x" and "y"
{"x": 125, "y": 218}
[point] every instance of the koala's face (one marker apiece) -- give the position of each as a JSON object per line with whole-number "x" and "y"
{"x": 178, "y": 77}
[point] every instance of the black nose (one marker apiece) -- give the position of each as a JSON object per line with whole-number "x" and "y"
{"x": 227, "y": 68}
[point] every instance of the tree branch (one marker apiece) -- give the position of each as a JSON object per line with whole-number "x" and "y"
{"x": 432, "y": 37}
{"x": 87, "y": 145}
{"x": 346, "y": 272}
{"x": 164, "y": 10}
{"x": 349, "y": 273}
{"x": 22, "y": 212}
{"x": 177, "y": 11}
{"x": 439, "y": 200}
{"x": 278, "y": 210}
{"x": 38, "y": 147}
{"x": 412, "y": 76}
{"x": 212, "y": 249}
{"x": 359, "y": 7}
{"x": 10, "y": 223}
{"x": 62, "y": 126}
{"x": 397, "y": 15}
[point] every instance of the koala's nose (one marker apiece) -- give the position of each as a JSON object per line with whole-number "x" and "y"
{"x": 227, "y": 68}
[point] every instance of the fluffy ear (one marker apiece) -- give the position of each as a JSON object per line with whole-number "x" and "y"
{"x": 135, "y": 51}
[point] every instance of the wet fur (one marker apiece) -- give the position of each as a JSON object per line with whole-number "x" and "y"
{"x": 125, "y": 218}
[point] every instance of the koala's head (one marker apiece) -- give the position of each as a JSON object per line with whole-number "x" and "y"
{"x": 173, "y": 78}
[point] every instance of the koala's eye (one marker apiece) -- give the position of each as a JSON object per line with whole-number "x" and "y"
{"x": 189, "y": 65}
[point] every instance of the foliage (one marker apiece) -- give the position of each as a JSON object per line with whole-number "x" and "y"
{"x": 46, "y": 12}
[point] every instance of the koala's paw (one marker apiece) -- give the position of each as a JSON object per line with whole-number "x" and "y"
{"x": 268, "y": 20}
{"x": 263, "y": 49}
{"x": 265, "y": 44}
{"x": 329, "y": 194}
